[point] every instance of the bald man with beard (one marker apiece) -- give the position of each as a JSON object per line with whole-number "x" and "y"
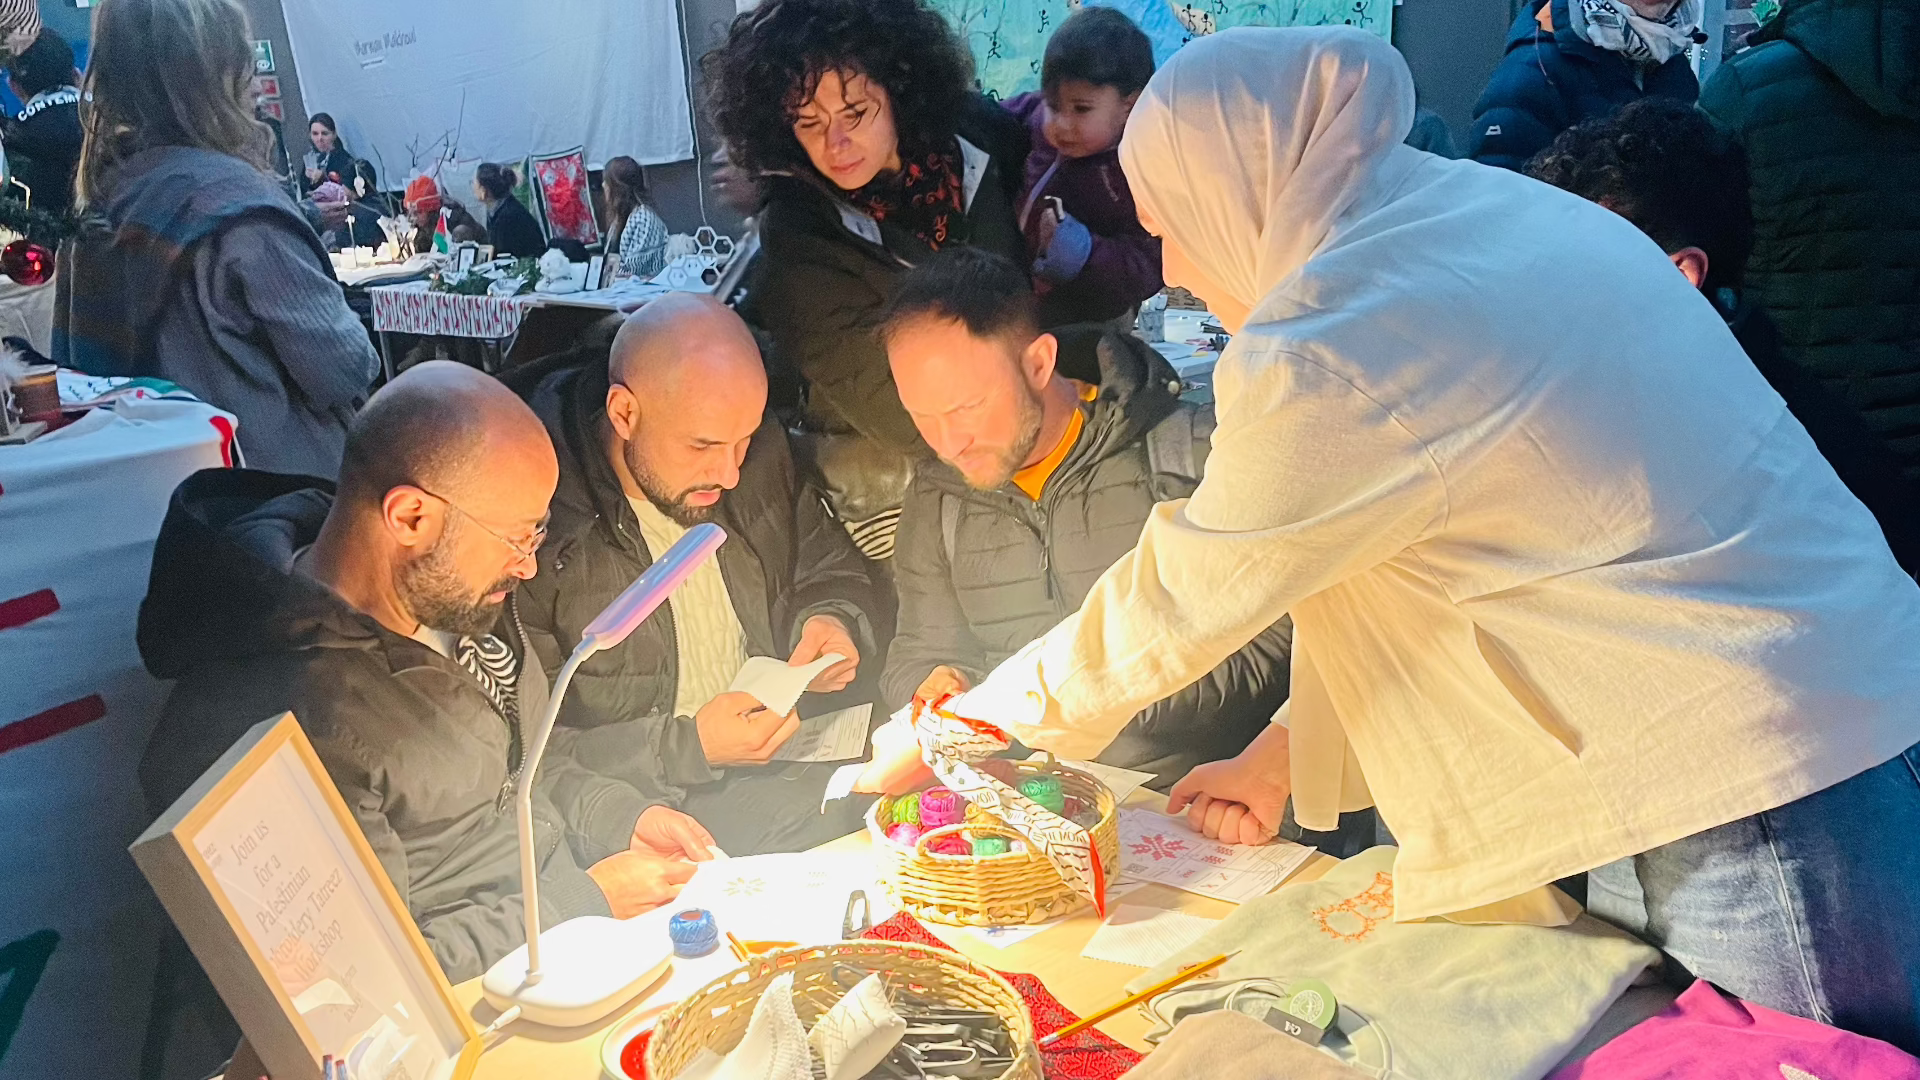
{"x": 664, "y": 431}
{"x": 382, "y": 615}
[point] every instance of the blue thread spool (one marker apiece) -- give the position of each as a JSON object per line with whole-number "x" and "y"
{"x": 693, "y": 933}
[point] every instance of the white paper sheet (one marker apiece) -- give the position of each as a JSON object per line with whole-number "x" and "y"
{"x": 1161, "y": 849}
{"x": 840, "y": 784}
{"x": 834, "y": 736}
{"x": 799, "y": 897}
{"x": 1144, "y": 936}
{"x": 777, "y": 684}
{"x": 1123, "y": 782}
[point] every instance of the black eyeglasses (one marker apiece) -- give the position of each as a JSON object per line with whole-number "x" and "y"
{"x": 526, "y": 550}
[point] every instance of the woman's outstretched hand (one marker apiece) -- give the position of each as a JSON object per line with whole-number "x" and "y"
{"x": 1239, "y": 800}
{"x": 896, "y": 767}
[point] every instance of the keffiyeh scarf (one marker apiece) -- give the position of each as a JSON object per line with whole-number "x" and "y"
{"x": 1616, "y": 27}
{"x": 951, "y": 744}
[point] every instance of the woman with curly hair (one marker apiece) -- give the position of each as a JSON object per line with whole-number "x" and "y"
{"x": 861, "y": 115}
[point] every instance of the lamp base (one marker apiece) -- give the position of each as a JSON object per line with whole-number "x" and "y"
{"x": 590, "y": 966}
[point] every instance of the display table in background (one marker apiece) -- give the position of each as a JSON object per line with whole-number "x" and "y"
{"x": 414, "y": 308}
{"x": 79, "y": 511}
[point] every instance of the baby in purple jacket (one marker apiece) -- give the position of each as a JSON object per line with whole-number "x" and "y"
{"x": 1092, "y": 260}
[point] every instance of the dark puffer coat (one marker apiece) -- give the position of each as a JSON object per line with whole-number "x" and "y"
{"x": 1827, "y": 104}
{"x": 785, "y": 560}
{"x": 1551, "y": 80}
{"x": 1018, "y": 566}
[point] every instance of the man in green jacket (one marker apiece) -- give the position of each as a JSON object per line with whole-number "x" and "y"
{"x": 1043, "y": 482}
{"x": 1826, "y": 103}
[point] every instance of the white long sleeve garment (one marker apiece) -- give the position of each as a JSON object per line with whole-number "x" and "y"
{"x": 1568, "y": 582}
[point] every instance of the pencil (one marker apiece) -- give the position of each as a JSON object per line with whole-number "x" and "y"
{"x": 1126, "y": 1003}
{"x": 739, "y": 951}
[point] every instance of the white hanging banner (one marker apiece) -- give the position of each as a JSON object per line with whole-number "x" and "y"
{"x": 493, "y": 80}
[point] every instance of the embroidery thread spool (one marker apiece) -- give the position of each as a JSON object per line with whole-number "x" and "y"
{"x": 940, "y": 807}
{"x": 991, "y": 845}
{"x": 906, "y": 811}
{"x": 693, "y": 933}
{"x": 1046, "y": 791}
{"x": 951, "y": 845}
{"x": 904, "y": 833}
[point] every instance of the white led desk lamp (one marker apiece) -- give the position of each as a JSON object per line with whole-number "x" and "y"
{"x": 592, "y": 963}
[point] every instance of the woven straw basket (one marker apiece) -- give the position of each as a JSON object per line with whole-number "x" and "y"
{"x": 1016, "y": 889}
{"x": 715, "y": 1016}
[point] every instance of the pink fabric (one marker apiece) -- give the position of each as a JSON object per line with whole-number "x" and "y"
{"x": 1705, "y": 1035}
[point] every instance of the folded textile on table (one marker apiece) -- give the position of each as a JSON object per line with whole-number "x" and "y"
{"x": 1089, "y": 1055}
{"x": 1705, "y": 1035}
{"x": 1232, "y": 1046}
{"x": 1426, "y": 1000}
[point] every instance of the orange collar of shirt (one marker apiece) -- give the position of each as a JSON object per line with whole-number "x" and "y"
{"x": 1033, "y": 479}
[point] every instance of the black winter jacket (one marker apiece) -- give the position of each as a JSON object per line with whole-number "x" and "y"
{"x": 417, "y": 749}
{"x": 822, "y": 284}
{"x": 1548, "y": 82}
{"x": 785, "y": 561}
{"x": 512, "y": 230}
{"x": 1862, "y": 461}
{"x": 1019, "y": 566}
{"x": 1827, "y": 105}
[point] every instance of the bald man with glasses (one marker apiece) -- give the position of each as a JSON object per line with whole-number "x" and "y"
{"x": 384, "y": 616}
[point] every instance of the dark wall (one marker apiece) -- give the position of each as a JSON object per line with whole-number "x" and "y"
{"x": 265, "y": 20}
{"x": 1452, "y": 47}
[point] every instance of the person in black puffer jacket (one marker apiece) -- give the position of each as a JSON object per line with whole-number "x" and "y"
{"x": 866, "y": 176}
{"x": 1574, "y": 60}
{"x": 1827, "y": 105}
{"x": 1033, "y": 500}
{"x": 694, "y": 443}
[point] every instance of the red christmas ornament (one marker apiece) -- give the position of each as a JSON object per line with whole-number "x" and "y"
{"x": 27, "y": 262}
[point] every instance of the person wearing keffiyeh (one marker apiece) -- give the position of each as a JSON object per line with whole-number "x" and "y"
{"x": 1569, "y": 61}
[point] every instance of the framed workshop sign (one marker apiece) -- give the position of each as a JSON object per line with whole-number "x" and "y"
{"x": 264, "y": 870}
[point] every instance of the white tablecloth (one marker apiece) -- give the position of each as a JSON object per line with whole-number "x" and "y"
{"x": 79, "y": 511}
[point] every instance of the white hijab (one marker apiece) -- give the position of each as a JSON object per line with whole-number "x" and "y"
{"x": 1249, "y": 144}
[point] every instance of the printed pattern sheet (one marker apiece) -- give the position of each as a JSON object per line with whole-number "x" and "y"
{"x": 1163, "y": 850}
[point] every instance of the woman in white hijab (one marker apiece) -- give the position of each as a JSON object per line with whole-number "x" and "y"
{"x": 1572, "y": 590}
